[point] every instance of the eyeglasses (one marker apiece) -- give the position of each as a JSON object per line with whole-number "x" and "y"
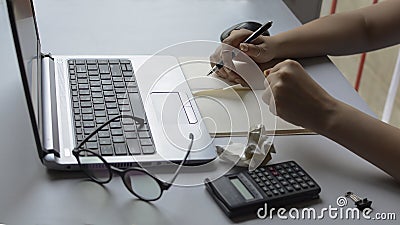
{"x": 137, "y": 180}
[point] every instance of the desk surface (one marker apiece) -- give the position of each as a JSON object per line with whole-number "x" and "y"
{"x": 29, "y": 194}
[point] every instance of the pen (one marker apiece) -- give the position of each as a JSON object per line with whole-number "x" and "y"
{"x": 253, "y": 36}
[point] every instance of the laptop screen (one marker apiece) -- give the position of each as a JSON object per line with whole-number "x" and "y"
{"x": 27, "y": 45}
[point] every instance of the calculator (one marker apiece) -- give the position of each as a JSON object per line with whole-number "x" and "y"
{"x": 278, "y": 185}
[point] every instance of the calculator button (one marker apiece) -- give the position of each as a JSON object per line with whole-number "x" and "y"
{"x": 275, "y": 173}
{"x": 296, "y": 186}
{"x": 271, "y": 187}
{"x": 265, "y": 173}
{"x": 289, "y": 170}
{"x": 306, "y": 178}
{"x": 278, "y": 167}
{"x": 303, "y": 185}
{"x": 261, "y": 184}
{"x": 280, "y": 178}
{"x": 296, "y": 168}
{"x": 292, "y": 164}
{"x": 287, "y": 176}
{"x": 292, "y": 181}
{"x": 282, "y": 171}
{"x": 275, "y": 192}
{"x": 273, "y": 181}
{"x": 271, "y": 168}
{"x": 265, "y": 189}
{"x": 278, "y": 186}
{"x": 267, "y": 183}
{"x": 289, "y": 188}
{"x": 281, "y": 190}
{"x": 311, "y": 184}
{"x": 299, "y": 180}
{"x": 270, "y": 177}
{"x": 284, "y": 183}
{"x": 263, "y": 178}
{"x": 260, "y": 174}
{"x": 301, "y": 173}
{"x": 262, "y": 169}
{"x": 285, "y": 165}
{"x": 257, "y": 170}
{"x": 257, "y": 180}
{"x": 294, "y": 175}
{"x": 269, "y": 194}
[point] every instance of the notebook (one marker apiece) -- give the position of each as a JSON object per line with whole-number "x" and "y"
{"x": 229, "y": 109}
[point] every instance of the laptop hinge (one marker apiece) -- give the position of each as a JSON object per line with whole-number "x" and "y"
{"x": 49, "y": 108}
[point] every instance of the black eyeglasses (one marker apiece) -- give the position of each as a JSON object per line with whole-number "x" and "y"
{"x": 137, "y": 180}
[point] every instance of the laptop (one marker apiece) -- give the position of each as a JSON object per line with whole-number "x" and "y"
{"x": 69, "y": 96}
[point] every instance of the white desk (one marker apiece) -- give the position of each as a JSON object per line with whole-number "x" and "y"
{"x": 29, "y": 194}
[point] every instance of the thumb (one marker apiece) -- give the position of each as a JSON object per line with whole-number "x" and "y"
{"x": 251, "y": 50}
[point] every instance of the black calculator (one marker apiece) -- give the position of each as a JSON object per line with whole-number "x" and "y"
{"x": 278, "y": 185}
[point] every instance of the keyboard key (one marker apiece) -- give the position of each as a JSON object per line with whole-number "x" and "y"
{"x": 91, "y": 61}
{"x": 101, "y": 120}
{"x": 104, "y": 134}
{"x": 108, "y": 93}
{"x": 91, "y": 145}
{"x": 104, "y": 141}
{"x": 145, "y": 127}
{"x": 92, "y": 67}
{"x": 98, "y": 101}
{"x": 129, "y": 128}
{"x": 106, "y": 82}
{"x": 119, "y": 84}
{"x": 111, "y": 105}
{"x": 112, "y": 111}
{"x": 86, "y": 104}
{"x": 146, "y": 141}
{"x": 110, "y": 99}
{"x": 133, "y": 146}
{"x": 84, "y": 92}
{"x": 104, "y": 69}
{"x": 95, "y": 83}
{"x": 147, "y": 149}
{"x": 87, "y": 117}
{"x": 130, "y": 135}
{"x": 107, "y": 87}
{"x": 85, "y": 98}
{"x": 80, "y": 68}
{"x": 106, "y": 149}
{"x": 118, "y": 139}
{"x": 88, "y": 130}
{"x": 120, "y": 149}
{"x": 99, "y": 107}
{"x": 88, "y": 124}
{"x": 87, "y": 110}
{"x": 116, "y": 132}
{"x": 100, "y": 113}
{"x": 115, "y": 125}
{"x": 137, "y": 106}
{"x": 80, "y": 61}
{"x": 102, "y": 61}
{"x": 144, "y": 134}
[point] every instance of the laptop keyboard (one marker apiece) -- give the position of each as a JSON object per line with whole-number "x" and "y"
{"x": 102, "y": 89}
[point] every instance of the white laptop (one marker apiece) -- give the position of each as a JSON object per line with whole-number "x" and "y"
{"x": 69, "y": 96}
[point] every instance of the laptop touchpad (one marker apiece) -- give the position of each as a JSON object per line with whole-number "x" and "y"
{"x": 169, "y": 108}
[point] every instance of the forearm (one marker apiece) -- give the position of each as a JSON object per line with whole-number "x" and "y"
{"x": 371, "y": 139}
{"x": 346, "y": 33}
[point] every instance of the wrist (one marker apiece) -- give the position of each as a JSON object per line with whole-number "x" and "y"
{"x": 331, "y": 113}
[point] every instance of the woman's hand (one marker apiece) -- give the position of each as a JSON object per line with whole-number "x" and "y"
{"x": 295, "y": 97}
{"x": 261, "y": 50}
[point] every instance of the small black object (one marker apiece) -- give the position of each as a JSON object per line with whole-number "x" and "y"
{"x": 278, "y": 185}
{"x": 361, "y": 204}
{"x": 249, "y": 25}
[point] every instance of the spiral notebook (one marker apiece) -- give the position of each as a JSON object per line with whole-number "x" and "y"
{"x": 229, "y": 109}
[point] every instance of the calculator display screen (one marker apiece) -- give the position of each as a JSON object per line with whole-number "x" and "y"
{"x": 241, "y": 188}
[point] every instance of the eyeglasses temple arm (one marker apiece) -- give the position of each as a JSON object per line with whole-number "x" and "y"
{"x": 191, "y": 136}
